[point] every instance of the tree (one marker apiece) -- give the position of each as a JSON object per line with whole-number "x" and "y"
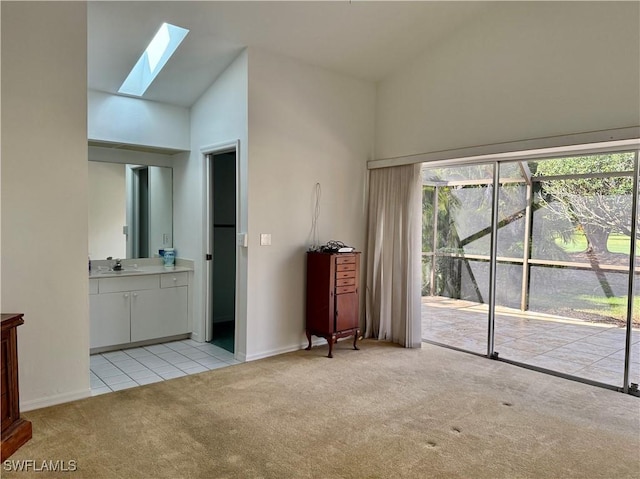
{"x": 598, "y": 206}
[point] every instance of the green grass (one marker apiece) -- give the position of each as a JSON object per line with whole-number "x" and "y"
{"x": 615, "y": 307}
{"x": 616, "y": 243}
{"x": 621, "y": 244}
{"x": 577, "y": 244}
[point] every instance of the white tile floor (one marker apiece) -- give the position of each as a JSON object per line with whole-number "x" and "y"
{"x": 129, "y": 368}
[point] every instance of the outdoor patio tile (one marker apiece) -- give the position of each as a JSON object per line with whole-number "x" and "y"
{"x": 604, "y": 341}
{"x": 601, "y": 375}
{"x": 530, "y": 346}
{"x": 610, "y": 364}
{"x": 591, "y": 348}
{"x": 516, "y": 334}
{"x": 552, "y": 341}
{"x": 567, "y": 346}
{"x": 571, "y": 333}
{"x": 502, "y": 339}
{"x": 554, "y": 364}
{"x": 579, "y": 357}
{"x": 619, "y": 355}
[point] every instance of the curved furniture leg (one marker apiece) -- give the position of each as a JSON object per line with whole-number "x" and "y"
{"x": 332, "y": 340}
{"x": 355, "y": 339}
{"x": 309, "y": 338}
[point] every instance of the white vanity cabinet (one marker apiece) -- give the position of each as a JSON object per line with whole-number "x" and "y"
{"x": 110, "y": 319}
{"x": 159, "y": 313}
{"x": 128, "y": 309}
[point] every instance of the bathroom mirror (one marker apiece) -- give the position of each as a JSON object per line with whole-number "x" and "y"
{"x": 130, "y": 210}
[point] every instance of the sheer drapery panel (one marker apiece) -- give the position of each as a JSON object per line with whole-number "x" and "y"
{"x": 393, "y": 255}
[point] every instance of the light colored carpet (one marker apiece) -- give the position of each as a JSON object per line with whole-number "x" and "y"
{"x": 381, "y": 412}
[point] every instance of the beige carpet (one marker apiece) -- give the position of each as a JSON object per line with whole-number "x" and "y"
{"x": 381, "y": 412}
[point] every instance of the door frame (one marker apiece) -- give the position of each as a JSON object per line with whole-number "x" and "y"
{"x": 207, "y": 153}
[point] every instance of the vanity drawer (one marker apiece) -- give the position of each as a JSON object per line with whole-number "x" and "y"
{"x": 170, "y": 280}
{"x": 93, "y": 286}
{"x": 129, "y": 283}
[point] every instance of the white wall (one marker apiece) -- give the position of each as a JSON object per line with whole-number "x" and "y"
{"x": 44, "y": 196}
{"x": 107, "y": 210}
{"x": 306, "y": 125}
{"x": 219, "y": 116}
{"x": 524, "y": 70}
{"x": 119, "y": 119}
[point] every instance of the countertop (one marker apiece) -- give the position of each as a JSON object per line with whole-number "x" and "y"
{"x": 140, "y": 271}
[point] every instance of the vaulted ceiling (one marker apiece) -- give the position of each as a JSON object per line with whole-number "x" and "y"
{"x": 362, "y": 39}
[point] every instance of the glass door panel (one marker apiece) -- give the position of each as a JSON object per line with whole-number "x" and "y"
{"x": 634, "y": 348}
{"x": 456, "y": 243}
{"x": 563, "y": 237}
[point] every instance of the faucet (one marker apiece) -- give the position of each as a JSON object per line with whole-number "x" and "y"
{"x": 117, "y": 265}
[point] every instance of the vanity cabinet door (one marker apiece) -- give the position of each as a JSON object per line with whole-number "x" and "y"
{"x": 109, "y": 322}
{"x": 158, "y": 313}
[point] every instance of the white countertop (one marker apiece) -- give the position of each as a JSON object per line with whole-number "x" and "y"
{"x": 139, "y": 271}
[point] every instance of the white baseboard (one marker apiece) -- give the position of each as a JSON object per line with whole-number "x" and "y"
{"x": 53, "y": 400}
{"x": 286, "y": 349}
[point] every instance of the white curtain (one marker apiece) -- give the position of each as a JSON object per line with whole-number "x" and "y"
{"x": 393, "y": 255}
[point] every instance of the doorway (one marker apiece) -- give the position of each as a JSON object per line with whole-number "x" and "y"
{"x": 222, "y": 220}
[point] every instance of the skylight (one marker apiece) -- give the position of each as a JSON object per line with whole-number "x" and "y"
{"x": 164, "y": 44}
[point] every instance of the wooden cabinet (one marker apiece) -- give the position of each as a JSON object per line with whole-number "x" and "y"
{"x": 15, "y": 430}
{"x": 332, "y": 297}
{"x": 129, "y": 309}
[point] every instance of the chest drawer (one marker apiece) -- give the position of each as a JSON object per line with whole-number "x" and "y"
{"x": 346, "y": 289}
{"x": 350, "y": 259}
{"x": 345, "y": 274}
{"x": 346, "y": 267}
{"x": 346, "y": 282}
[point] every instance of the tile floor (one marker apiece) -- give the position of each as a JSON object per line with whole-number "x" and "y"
{"x": 128, "y": 368}
{"x": 588, "y": 350}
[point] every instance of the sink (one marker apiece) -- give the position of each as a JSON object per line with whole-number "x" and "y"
{"x": 122, "y": 271}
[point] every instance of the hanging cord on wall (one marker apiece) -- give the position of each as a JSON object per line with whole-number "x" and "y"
{"x": 314, "y": 235}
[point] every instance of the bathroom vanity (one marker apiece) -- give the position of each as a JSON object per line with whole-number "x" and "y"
{"x": 144, "y": 305}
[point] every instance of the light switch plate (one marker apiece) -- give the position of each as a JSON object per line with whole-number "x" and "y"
{"x": 265, "y": 239}
{"x": 243, "y": 240}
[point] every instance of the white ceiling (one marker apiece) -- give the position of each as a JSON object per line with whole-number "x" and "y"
{"x": 363, "y": 39}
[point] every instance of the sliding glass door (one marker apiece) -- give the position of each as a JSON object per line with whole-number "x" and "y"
{"x": 563, "y": 231}
{"x": 456, "y": 244}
